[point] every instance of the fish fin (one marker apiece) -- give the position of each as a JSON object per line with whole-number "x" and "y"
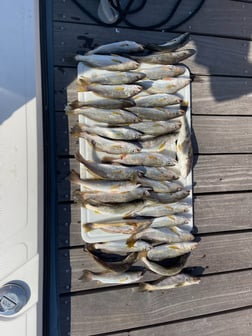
{"x": 145, "y": 287}
{"x": 107, "y": 159}
{"x": 74, "y": 177}
{"x": 86, "y": 276}
{"x": 142, "y": 254}
{"x": 131, "y": 240}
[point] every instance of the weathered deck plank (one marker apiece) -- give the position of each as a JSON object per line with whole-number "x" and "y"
{"x": 211, "y": 134}
{"x": 212, "y": 173}
{"x": 215, "y": 254}
{"x": 228, "y": 324}
{"x": 212, "y": 213}
{"x": 126, "y": 308}
{"x": 211, "y": 95}
{"x": 215, "y": 55}
{"x": 215, "y": 17}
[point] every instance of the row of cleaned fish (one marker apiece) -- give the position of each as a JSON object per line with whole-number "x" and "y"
{"x": 135, "y": 119}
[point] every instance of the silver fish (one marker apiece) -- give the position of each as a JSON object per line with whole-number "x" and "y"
{"x": 165, "y": 197}
{"x": 160, "y": 71}
{"x": 115, "y": 91}
{"x": 169, "y": 221}
{"x": 108, "y": 62}
{"x": 109, "y": 116}
{"x": 175, "y": 43}
{"x": 184, "y": 148}
{"x": 93, "y": 75}
{"x": 156, "y": 268}
{"x": 127, "y": 226}
{"x": 175, "y": 281}
{"x": 119, "y": 209}
{"x": 113, "y": 197}
{"x": 156, "y": 128}
{"x": 100, "y": 102}
{"x": 110, "y": 146}
{"x": 103, "y": 185}
{"x": 121, "y": 47}
{"x": 156, "y": 209}
{"x": 165, "y": 85}
{"x": 108, "y": 171}
{"x": 174, "y": 250}
{"x": 115, "y": 133}
{"x": 111, "y": 278}
{"x": 164, "y": 235}
{"x": 152, "y": 159}
{"x": 166, "y": 57}
{"x": 156, "y": 100}
{"x": 153, "y": 114}
{"x": 159, "y": 186}
{"x": 120, "y": 246}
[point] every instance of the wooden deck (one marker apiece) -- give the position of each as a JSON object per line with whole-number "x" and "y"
{"x": 222, "y": 135}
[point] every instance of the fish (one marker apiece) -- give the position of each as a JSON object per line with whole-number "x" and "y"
{"x": 156, "y": 100}
{"x": 103, "y": 185}
{"x": 108, "y": 62}
{"x": 110, "y": 146}
{"x": 114, "y": 133}
{"x": 121, "y": 47}
{"x": 164, "y": 85}
{"x": 184, "y": 148}
{"x": 98, "y": 102}
{"x": 156, "y": 209}
{"x": 171, "y": 58}
{"x": 93, "y": 75}
{"x": 119, "y": 209}
{"x": 120, "y": 246}
{"x": 165, "y": 197}
{"x": 113, "y": 197}
{"x": 115, "y": 91}
{"x": 159, "y": 186}
{"x": 158, "y": 113}
{"x": 108, "y": 171}
{"x": 165, "y": 251}
{"x": 160, "y": 71}
{"x": 152, "y": 159}
{"x": 175, "y": 281}
{"x": 111, "y": 278}
{"x": 115, "y": 266}
{"x": 110, "y": 116}
{"x": 168, "y": 221}
{"x": 156, "y": 128}
{"x": 159, "y": 269}
{"x": 164, "y": 235}
{"x": 127, "y": 226}
{"x": 174, "y": 44}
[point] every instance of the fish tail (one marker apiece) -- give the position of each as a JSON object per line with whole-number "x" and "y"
{"x": 145, "y": 287}
{"x": 80, "y": 158}
{"x": 76, "y": 131}
{"x": 142, "y": 254}
{"x": 86, "y": 276}
{"x": 74, "y": 104}
{"x": 82, "y": 84}
{"x": 131, "y": 240}
{"x": 88, "y": 227}
{"x": 74, "y": 177}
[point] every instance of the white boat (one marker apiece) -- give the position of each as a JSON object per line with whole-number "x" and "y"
{"x": 21, "y": 177}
